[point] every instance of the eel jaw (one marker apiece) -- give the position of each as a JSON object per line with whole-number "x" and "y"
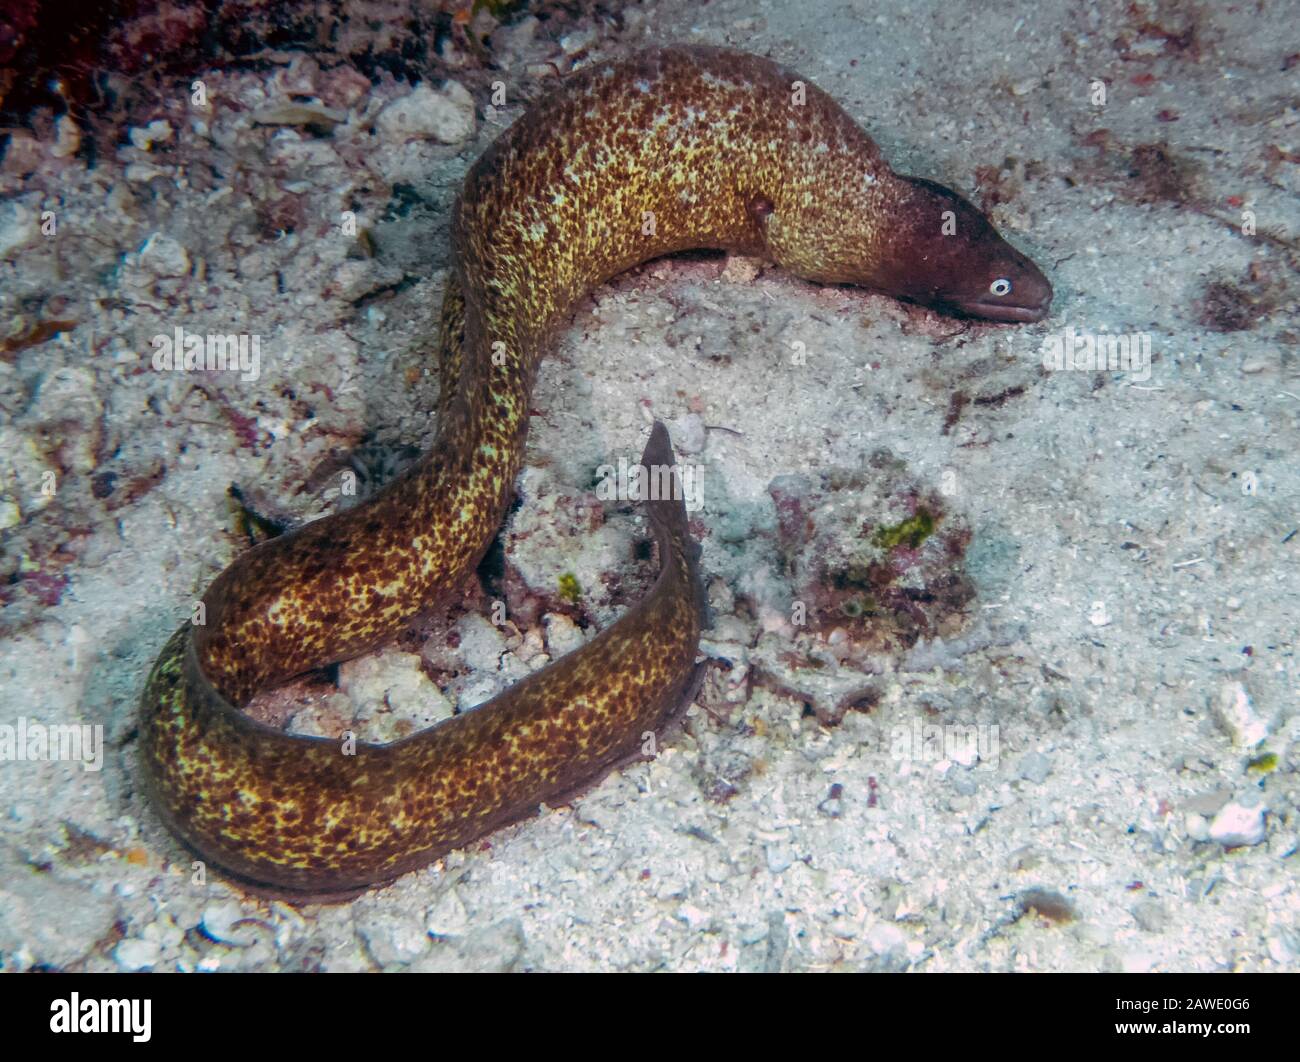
{"x": 1003, "y": 312}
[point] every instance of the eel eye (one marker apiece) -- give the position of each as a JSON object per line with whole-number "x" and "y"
{"x": 1001, "y": 286}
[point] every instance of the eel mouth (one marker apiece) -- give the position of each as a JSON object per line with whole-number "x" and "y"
{"x": 996, "y": 310}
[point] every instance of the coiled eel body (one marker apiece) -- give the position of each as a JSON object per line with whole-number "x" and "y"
{"x": 672, "y": 149}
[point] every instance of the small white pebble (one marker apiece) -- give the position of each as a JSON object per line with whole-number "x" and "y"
{"x": 573, "y": 43}
{"x": 18, "y": 228}
{"x": 142, "y": 173}
{"x": 1236, "y": 715}
{"x": 694, "y": 917}
{"x": 164, "y": 257}
{"x": 157, "y": 132}
{"x": 884, "y": 939}
{"x": 137, "y": 954}
{"x": 224, "y": 923}
{"x": 779, "y": 857}
{"x": 67, "y": 138}
{"x": 562, "y": 634}
{"x": 447, "y": 116}
{"x": 1238, "y": 826}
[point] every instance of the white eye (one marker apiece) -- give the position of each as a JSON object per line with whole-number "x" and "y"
{"x": 1001, "y": 286}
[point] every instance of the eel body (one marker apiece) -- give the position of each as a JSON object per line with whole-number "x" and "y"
{"x": 673, "y": 149}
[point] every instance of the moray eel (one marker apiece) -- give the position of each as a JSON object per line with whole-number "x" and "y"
{"x": 673, "y": 149}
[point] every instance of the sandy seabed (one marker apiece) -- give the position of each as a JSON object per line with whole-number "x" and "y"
{"x": 1125, "y": 672}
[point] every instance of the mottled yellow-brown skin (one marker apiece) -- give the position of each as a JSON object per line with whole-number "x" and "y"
{"x": 675, "y": 148}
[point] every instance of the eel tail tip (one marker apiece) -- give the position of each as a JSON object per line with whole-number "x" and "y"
{"x": 659, "y": 450}
{"x": 667, "y": 513}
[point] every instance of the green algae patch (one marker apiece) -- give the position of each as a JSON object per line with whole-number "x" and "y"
{"x": 910, "y": 533}
{"x": 1263, "y": 764}
{"x": 570, "y": 589}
